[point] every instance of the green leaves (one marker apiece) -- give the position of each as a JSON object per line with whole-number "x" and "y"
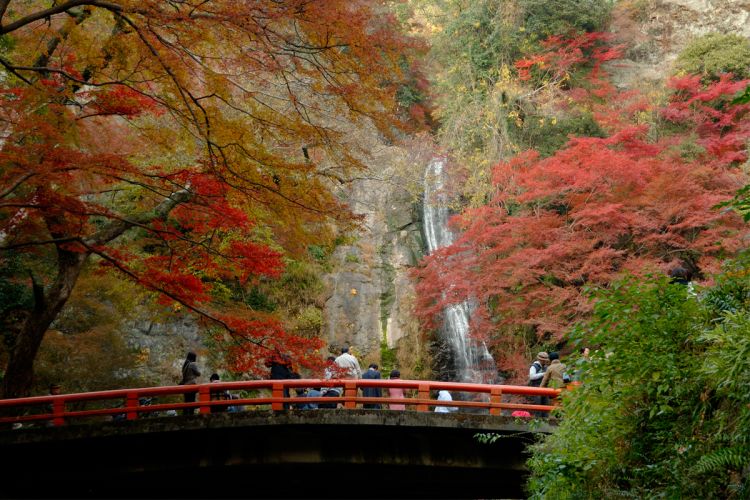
{"x": 743, "y": 98}
{"x": 662, "y": 409}
{"x": 741, "y": 200}
{"x": 734, "y": 458}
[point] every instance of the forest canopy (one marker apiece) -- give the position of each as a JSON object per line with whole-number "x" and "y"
{"x": 181, "y": 145}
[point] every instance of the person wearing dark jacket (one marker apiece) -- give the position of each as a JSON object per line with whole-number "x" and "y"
{"x": 372, "y": 373}
{"x": 537, "y": 369}
{"x": 281, "y": 369}
{"x": 190, "y": 374}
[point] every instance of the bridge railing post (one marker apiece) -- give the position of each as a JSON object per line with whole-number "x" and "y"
{"x": 58, "y": 409}
{"x": 204, "y": 396}
{"x": 424, "y": 393}
{"x": 131, "y": 403}
{"x": 350, "y": 391}
{"x": 496, "y": 397}
{"x": 277, "y": 391}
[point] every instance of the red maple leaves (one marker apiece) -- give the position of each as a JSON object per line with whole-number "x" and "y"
{"x": 596, "y": 209}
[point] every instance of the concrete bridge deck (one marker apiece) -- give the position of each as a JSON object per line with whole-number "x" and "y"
{"x": 272, "y": 454}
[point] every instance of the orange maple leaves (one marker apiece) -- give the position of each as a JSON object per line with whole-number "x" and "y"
{"x": 167, "y": 139}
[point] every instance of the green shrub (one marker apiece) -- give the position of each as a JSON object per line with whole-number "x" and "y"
{"x": 662, "y": 409}
{"x": 716, "y": 53}
{"x": 259, "y": 301}
{"x": 544, "y": 18}
{"x": 547, "y": 135}
{"x": 351, "y": 258}
{"x": 310, "y": 320}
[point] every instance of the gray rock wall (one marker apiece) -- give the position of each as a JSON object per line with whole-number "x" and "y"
{"x": 369, "y": 291}
{"x": 656, "y": 31}
{"x": 163, "y": 343}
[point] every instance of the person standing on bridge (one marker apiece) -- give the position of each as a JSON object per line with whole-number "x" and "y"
{"x": 537, "y": 369}
{"x": 536, "y": 374}
{"x": 281, "y": 369}
{"x": 218, "y": 395}
{"x": 372, "y": 373}
{"x": 190, "y": 374}
{"x": 396, "y": 392}
{"x": 54, "y": 390}
{"x": 349, "y": 364}
{"x": 331, "y": 372}
{"x": 554, "y": 375}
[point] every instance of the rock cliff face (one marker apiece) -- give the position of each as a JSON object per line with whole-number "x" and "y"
{"x": 163, "y": 344}
{"x": 368, "y": 305}
{"x": 656, "y": 31}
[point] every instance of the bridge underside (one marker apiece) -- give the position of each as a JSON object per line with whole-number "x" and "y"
{"x": 302, "y": 454}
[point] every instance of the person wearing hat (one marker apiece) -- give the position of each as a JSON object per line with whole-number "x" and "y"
{"x": 537, "y": 369}
{"x": 536, "y": 374}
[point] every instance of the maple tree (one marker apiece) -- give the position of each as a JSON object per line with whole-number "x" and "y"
{"x": 181, "y": 143}
{"x": 641, "y": 199}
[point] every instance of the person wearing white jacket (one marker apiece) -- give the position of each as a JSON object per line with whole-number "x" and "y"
{"x": 445, "y": 396}
{"x": 348, "y": 364}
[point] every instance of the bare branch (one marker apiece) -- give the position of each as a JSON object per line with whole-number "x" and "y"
{"x": 13, "y": 70}
{"x": 3, "y": 7}
{"x": 54, "y": 241}
{"x": 117, "y": 227}
{"x": 55, "y": 9}
{"x": 21, "y": 179}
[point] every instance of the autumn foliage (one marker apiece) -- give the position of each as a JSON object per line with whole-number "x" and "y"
{"x": 182, "y": 145}
{"x": 638, "y": 201}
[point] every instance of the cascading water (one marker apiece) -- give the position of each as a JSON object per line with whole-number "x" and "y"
{"x": 472, "y": 360}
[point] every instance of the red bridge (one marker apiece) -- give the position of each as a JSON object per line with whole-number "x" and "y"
{"x": 270, "y": 393}
{"x": 111, "y": 444}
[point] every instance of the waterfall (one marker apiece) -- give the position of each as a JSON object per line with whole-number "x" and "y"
{"x": 472, "y": 360}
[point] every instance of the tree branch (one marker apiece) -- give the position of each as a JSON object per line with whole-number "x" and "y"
{"x": 54, "y": 241}
{"x": 118, "y": 265}
{"x": 16, "y": 183}
{"x": 61, "y": 35}
{"x": 3, "y": 7}
{"x": 117, "y": 227}
{"x": 55, "y": 9}
{"x": 13, "y": 70}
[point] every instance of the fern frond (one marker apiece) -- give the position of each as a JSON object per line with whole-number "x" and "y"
{"x": 735, "y": 457}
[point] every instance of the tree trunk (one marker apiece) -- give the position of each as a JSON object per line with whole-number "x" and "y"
{"x": 20, "y": 373}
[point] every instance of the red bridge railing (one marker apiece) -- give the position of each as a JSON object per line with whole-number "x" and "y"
{"x": 59, "y": 409}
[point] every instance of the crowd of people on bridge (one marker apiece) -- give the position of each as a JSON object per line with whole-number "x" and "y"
{"x": 345, "y": 366}
{"x": 547, "y": 370}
